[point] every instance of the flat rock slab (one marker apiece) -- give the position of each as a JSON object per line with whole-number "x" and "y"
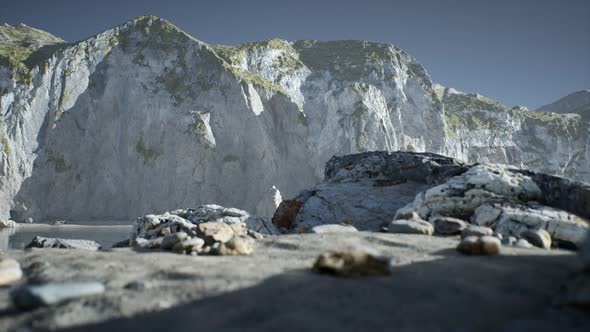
{"x": 431, "y": 287}
{"x": 46, "y": 242}
{"x": 31, "y": 297}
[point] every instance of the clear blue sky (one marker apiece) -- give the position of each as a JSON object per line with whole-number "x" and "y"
{"x": 528, "y": 52}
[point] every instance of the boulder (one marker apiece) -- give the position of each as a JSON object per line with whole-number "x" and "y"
{"x": 410, "y": 227}
{"x": 479, "y": 245}
{"x": 476, "y": 231}
{"x": 537, "y": 237}
{"x": 237, "y": 246}
{"x": 333, "y": 228}
{"x": 365, "y": 190}
{"x": 448, "y": 225}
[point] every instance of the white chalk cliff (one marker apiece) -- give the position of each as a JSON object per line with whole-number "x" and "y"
{"x": 144, "y": 118}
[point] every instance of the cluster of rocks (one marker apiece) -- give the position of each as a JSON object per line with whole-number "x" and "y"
{"x": 208, "y": 229}
{"x": 489, "y": 205}
{"x": 502, "y": 199}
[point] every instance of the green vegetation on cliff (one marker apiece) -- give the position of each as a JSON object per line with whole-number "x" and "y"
{"x": 23, "y": 48}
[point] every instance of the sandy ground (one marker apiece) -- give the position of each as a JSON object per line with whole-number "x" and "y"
{"x": 432, "y": 288}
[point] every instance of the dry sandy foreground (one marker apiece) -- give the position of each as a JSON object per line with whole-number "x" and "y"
{"x": 433, "y": 288}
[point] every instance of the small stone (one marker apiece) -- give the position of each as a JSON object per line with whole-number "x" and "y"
{"x": 238, "y": 246}
{"x": 407, "y": 215}
{"x": 148, "y": 244}
{"x": 171, "y": 240}
{"x": 138, "y": 285}
{"x": 333, "y": 228}
{"x": 523, "y": 243}
{"x": 537, "y": 237}
{"x": 31, "y": 297}
{"x": 352, "y": 264}
{"x": 499, "y": 236}
{"x": 509, "y": 241}
{"x": 10, "y": 271}
{"x": 192, "y": 244}
{"x": 29, "y": 220}
{"x": 448, "y": 225}
{"x": 7, "y": 224}
{"x": 484, "y": 245}
{"x": 476, "y": 231}
{"x": 122, "y": 244}
{"x": 45, "y": 242}
{"x": 410, "y": 227}
{"x": 213, "y": 232}
{"x": 255, "y": 235}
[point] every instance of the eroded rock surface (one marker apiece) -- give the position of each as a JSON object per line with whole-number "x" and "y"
{"x": 215, "y": 123}
{"x": 369, "y": 191}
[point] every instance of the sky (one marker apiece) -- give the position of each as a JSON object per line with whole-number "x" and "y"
{"x": 528, "y": 52}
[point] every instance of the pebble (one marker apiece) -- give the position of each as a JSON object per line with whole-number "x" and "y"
{"x": 333, "y": 228}
{"x": 448, "y": 225}
{"x": 523, "y": 243}
{"x": 537, "y": 237}
{"x": 476, "y": 231}
{"x": 31, "y": 297}
{"x": 352, "y": 264}
{"x": 410, "y": 227}
{"x": 10, "y": 271}
{"x": 407, "y": 215}
{"x": 238, "y": 246}
{"x": 213, "y": 232}
{"x": 484, "y": 245}
{"x": 255, "y": 235}
{"x": 45, "y": 242}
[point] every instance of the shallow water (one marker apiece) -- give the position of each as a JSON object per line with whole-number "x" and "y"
{"x": 106, "y": 234}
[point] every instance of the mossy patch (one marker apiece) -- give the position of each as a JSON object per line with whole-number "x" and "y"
{"x": 23, "y": 48}
{"x": 149, "y": 154}
{"x": 58, "y": 161}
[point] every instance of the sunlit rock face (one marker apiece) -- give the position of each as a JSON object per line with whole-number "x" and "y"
{"x": 145, "y": 118}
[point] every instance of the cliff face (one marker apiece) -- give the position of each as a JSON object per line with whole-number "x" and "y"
{"x": 145, "y": 118}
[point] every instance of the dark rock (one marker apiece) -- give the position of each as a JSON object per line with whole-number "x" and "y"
{"x": 44, "y": 242}
{"x": 448, "y": 225}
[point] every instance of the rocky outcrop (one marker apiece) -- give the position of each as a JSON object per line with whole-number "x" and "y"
{"x": 365, "y": 190}
{"x": 370, "y": 190}
{"x": 208, "y": 229}
{"x": 575, "y": 103}
{"x": 144, "y": 117}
